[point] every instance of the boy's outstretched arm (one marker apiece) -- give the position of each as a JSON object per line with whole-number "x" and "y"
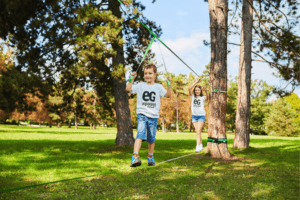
{"x": 129, "y": 85}
{"x": 169, "y": 89}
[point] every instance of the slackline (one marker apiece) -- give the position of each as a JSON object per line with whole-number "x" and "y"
{"x": 31, "y": 186}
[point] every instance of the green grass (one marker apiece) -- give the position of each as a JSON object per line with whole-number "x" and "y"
{"x": 269, "y": 169}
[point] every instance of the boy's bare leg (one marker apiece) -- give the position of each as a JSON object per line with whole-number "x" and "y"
{"x": 151, "y": 148}
{"x": 137, "y": 146}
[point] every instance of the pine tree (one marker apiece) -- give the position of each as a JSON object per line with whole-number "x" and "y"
{"x": 218, "y": 15}
{"x": 242, "y": 124}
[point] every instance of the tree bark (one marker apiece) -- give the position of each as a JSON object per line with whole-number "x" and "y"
{"x": 242, "y": 123}
{"x": 177, "y": 125}
{"x": 163, "y": 125}
{"x": 218, "y": 14}
{"x": 94, "y": 125}
{"x": 76, "y": 123}
{"x": 124, "y": 124}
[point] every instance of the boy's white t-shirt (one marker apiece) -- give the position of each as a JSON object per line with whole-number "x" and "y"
{"x": 148, "y": 98}
{"x": 198, "y": 105}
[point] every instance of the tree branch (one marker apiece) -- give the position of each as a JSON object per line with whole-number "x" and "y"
{"x": 266, "y": 26}
{"x": 281, "y": 12}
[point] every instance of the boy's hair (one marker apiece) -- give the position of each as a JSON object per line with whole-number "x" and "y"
{"x": 198, "y": 86}
{"x": 148, "y": 66}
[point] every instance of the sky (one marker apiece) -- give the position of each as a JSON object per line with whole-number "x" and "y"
{"x": 185, "y": 24}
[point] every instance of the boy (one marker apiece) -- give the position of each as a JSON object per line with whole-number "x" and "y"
{"x": 148, "y": 105}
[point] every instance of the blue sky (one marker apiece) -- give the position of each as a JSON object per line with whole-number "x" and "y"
{"x": 185, "y": 25}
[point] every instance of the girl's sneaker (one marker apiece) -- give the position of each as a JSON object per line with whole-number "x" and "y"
{"x": 151, "y": 161}
{"x": 199, "y": 148}
{"x": 135, "y": 161}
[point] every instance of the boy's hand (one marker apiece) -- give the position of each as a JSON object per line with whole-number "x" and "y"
{"x": 134, "y": 74}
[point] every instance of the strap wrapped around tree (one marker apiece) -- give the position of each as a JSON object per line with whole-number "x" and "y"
{"x": 217, "y": 140}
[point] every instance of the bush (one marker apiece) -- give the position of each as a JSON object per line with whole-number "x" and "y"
{"x": 281, "y": 119}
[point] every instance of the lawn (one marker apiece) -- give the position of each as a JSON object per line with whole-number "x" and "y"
{"x": 31, "y": 156}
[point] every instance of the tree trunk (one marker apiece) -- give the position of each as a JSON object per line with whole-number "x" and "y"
{"x": 177, "y": 125}
{"x": 163, "y": 125}
{"x": 242, "y": 123}
{"x": 218, "y": 14}
{"x": 124, "y": 124}
{"x": 95, "y": 121}
{"x": 69, "y": 123}
{"x": 50, "y": 125}
{"x": 76, "y": 123}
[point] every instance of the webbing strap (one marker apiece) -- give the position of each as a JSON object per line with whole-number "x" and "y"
{"x": 159, "y": 39}
{"x": 217, "y": 140}
{"x": 131, "y": 77}
{"x": 218, "y": 91}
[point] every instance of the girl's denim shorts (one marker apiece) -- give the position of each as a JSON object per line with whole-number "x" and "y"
{"x": 200, "y": 118}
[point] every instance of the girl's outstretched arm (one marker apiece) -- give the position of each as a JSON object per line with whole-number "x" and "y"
{"x": 193, "y": 85}
{"x": 207, "y": 94}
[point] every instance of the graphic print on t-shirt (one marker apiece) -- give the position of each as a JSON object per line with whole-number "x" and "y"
{"x": 197, "y": 103}
{"x": 149, "y": 99}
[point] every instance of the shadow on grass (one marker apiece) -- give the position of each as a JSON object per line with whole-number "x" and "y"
{"x": 264, "y": 172}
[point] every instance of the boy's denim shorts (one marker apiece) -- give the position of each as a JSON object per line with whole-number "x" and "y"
{"x": 146, "y": 128}
{"x": 200, "y": 118}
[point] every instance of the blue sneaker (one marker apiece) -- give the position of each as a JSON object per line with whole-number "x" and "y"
{"x": 151, "y": 161}
{"x": 135, "y": 161}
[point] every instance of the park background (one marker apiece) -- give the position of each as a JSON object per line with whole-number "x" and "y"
{"x": 58, "y": 149}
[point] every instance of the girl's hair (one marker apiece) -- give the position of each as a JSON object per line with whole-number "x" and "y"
{"x": 198, "y": 86}
{"x": 148, "y": 66}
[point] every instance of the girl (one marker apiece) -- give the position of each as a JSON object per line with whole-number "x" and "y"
{"x": 198, "y": 112}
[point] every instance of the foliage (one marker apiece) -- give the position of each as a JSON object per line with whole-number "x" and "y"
{"x": 132, "y": 106}
{"x": 14, "y": 15}
{"x": 259, "y": 93}
{"x": 294, "y": 100}
{"x": 57, "y": 108}
{"x": 281, "y": 119}
{"x": 232, "y": 91}
{"x": 40, "y": 114}
{"x": 15, "y": 83}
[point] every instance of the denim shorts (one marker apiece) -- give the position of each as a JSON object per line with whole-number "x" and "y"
{"x": 200, "y": 118}
{"x": 146, "y": 128}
